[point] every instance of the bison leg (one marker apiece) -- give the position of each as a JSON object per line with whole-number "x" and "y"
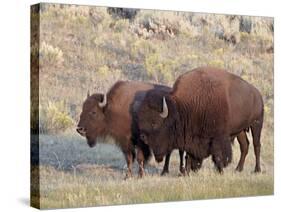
{"x": 221, "y": 152}
{"x": 244, "y": 148}
{"x": 188, "y": 162}
{"x": 140, "y": 159}
{"x": 129, "y": 160}
{"x": 182, "y": 168}
{"x": 256, "y": 132}
{"x": 166, "y": 165}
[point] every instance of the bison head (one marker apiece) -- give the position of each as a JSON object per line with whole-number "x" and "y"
{"x": 92, "y": 120}
{"x": 155, "y": 119}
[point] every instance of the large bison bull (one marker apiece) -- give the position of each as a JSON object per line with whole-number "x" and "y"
{"x": 205, "y": 110}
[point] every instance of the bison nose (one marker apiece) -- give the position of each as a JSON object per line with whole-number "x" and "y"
{"x": 81, "y": 131}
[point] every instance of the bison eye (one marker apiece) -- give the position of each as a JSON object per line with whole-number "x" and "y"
{"x": 153, "y": 125}
{"x": 143, "y": 137}
{"x": 93, "y": 112}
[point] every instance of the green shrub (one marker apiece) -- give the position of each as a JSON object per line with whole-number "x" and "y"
{"x": 49, "y": 55}
{"x": 54, "y": 117}
{"x": 216, "y": 63}
{"x": 160, "y": 70}
{"x": 161, "y": 25}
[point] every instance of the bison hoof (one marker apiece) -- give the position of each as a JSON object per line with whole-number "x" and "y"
{"x": 141, "y": 174}
{"x": 182, "y": 174}
{"x": 183, "y": 171}
{"x": 239, "y": 169}
{"x": 128, "y": 176}
{"x": 164, "y": 172}
{"x": 257, "y": 170}
{"x": 220, "y": 171}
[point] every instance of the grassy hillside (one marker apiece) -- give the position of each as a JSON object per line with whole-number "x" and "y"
{"x": 87, "y": 48}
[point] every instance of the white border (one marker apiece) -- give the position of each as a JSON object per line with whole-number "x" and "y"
{"x": 14, "y": 112}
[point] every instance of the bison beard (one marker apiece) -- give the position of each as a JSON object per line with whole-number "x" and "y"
{"x": 221, "y": 152}
{"x": 200, "y": 148}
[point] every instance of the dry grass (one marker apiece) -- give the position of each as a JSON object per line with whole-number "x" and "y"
{"x": 61, "y": 190}
{"x": 74, "y": 175}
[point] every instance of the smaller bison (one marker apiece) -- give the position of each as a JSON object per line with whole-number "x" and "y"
{"x": 206, "y": 109}
{"x": 114, "y": 114}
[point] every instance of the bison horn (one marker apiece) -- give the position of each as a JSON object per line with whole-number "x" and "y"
{"x": 165, "y": 112}
{"x": 103, "y": 103}
{"x": 88, "y": 94}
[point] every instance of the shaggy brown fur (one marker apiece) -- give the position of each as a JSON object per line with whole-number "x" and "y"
{"x": 117, "y": 120}
{"x": 207, "y": 107}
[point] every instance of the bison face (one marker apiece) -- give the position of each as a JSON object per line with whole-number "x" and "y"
{"x": 92, "y": 120}
{"x": 155, "y": 123}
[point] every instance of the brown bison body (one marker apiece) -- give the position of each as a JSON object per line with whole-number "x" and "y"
{"x": 114, "y": 115}
{"x": 206, "y": 109}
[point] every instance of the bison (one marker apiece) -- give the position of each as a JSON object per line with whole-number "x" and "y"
{"x": 206, "y": 109}
{"x": 114, "y": 114}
